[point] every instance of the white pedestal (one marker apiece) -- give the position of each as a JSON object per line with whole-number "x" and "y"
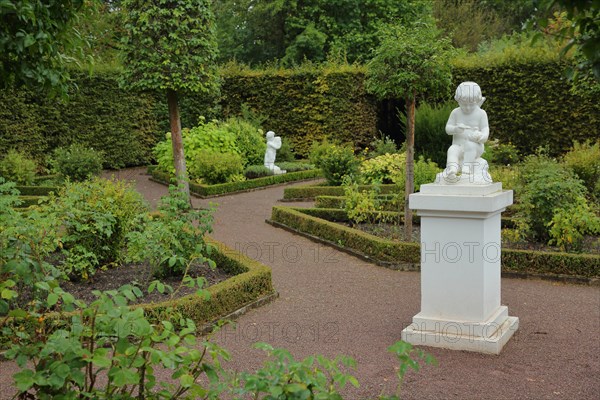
{"x": 460, "y": 269}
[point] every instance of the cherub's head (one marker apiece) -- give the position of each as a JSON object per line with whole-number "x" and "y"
{"x": 270, "y": 135}
{"x": 468, "y": 95}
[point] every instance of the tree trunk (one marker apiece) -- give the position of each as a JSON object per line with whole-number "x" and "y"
{"x": 177, "y": 140}
{"x": 409, "y": 186}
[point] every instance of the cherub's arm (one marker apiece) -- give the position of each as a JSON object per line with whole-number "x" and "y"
{"x": 484, "y": 127}
{"x": 452, "y": 126}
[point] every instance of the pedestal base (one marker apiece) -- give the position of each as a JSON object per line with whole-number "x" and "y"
{"x": 483, "y": 337}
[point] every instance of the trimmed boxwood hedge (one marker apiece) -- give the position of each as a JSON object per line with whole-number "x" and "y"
{"x": 251, "y": 283}
{"x": 205, "y": 191}
{"x": 522, "y": 262}
{"x": 36, "y": 190}
{"x": 311, "y": 192}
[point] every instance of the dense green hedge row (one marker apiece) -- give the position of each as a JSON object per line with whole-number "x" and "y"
{"x": 515, "y": 261}
{"x": 310, "y": 192}
{"x": 232, "y": 187}
{"x": 532, "y": 105}
{"x": 306, "y": 106}
{"x": 529, "y": 105}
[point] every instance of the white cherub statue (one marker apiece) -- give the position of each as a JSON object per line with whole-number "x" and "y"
{"x": 468, "y": 125}
{"x": 273, "y": 144}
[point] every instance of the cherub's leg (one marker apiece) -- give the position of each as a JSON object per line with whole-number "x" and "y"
{"x": 453, "y": 161}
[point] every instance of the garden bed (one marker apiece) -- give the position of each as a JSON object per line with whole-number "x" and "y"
{"x": 238, "y": 284}
{"x": 406, "y": 255}
{"x": 207, "y": 191}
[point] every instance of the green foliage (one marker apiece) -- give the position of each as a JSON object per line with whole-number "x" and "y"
{"x": 335, "y": 161}
{"x": 26, "y": 241}
{"x": 570, "y": 223}
{"x": 77, "y": 162}
{"x": 584, "y": 160}
{"x": 387, "y": 168}
{"x": 548, "y": 113}
{"x": 304, "y": 105}
{"x": 501, "y": 154}
{"x": 311, "y": 29}
{"x": 256, "y": 171}
{"x": 544, "y": 187}
{"x": 508, "y": 175}
{"x": 34, "y": 36}
{"x": 470, "y": 23}
{"x": 360, "y": 205}
{"x": 172, "y": 238}
{"x": 169, "y": 45}
{"x": 409, "y": 357}
{"x": 431, "y": 140}
{"x": 382, "y": 145}
{"x": 285, "y": 152}
{"x": 410, "y": 61}
{"x": 284, "y": 378}
{"x": 211, "y": 167}
{"x": 96, "y": 216}
{"x": 110, "y": 339}
{"x": 237, "y": 140}
{"x": 425, "y": 172}
{"x": 18, "y": 168}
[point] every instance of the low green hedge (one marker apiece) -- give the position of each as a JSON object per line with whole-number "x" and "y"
{"x": 28, "y": 201}
{"x": 363, "y": 243}
{"x": 36, "y": 190}
{"x": 340, "y": 202}
{"x": 521, "y": 262}
{"x": 251, "y": 283}
{"x": 225, "y": 188}
{"x": 311, "y": 192}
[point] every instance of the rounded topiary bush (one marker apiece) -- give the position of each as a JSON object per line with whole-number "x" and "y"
{"x": 18, "y": 168}
{"x": 335, "y": 161}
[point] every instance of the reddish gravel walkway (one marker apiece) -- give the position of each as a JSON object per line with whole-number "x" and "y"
{"x": 332, "y": 303}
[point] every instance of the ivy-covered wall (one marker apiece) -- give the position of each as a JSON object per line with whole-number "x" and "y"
{"x": 529, "y": 105}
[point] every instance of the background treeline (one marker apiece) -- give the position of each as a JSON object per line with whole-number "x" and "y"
{"x": 529, "y": 104}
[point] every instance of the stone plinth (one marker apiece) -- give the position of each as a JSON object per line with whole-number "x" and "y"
{"x": 460, "y": 268}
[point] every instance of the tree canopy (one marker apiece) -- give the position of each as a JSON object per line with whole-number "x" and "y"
{"x": 36, "y": 38}
{"x": 258, "y": 31}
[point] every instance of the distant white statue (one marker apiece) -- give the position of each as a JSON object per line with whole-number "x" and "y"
{"x": 273, "y": 144}
{"x": 468, "y": 125}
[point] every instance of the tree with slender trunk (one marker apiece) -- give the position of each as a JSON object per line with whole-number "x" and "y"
{"x": 410, "y": 62}
{"x": 170, "y": 46}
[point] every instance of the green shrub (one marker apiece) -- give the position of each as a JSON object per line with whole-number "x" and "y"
{"x": 584, "y": 160}
{"x": 431, "y": 140}
{"x": 382, "y": 145}
{"x": 96, "y": 215}
{"x": 335, "y": 161}
{"x": 18, "y": 168}
{"x": 571, "y": 223}
{"x": 501, "y": 154}
{"x": 249, "y": 140}
{"x": 211, "y": 167}
{"x": 172, "y": 238}
{"x": 361, "y": 205}
{"x": 508, "y": 175}
{"x": 545, "y": 186}
{"x": 256, "y": 171}
{"x": 386, "y": 168}
{"x": 77, "y": 162}
{"x": 285, "y": 152}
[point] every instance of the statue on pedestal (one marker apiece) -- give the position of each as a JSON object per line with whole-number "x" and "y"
{"x": 273, "y": 144}
{"x": 468, "y": 125}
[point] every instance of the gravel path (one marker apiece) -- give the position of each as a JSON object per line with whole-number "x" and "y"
{"x": 332, "y": 303}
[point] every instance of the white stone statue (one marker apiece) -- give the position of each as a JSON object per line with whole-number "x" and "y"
{"x": 468, "y": 125}
{"x": 273, "y": 144}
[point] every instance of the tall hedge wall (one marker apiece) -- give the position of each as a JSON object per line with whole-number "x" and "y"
{"x": 305, "y": 105}
{"x": 529, "y": 105}
{"x": 532, "y": 105}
